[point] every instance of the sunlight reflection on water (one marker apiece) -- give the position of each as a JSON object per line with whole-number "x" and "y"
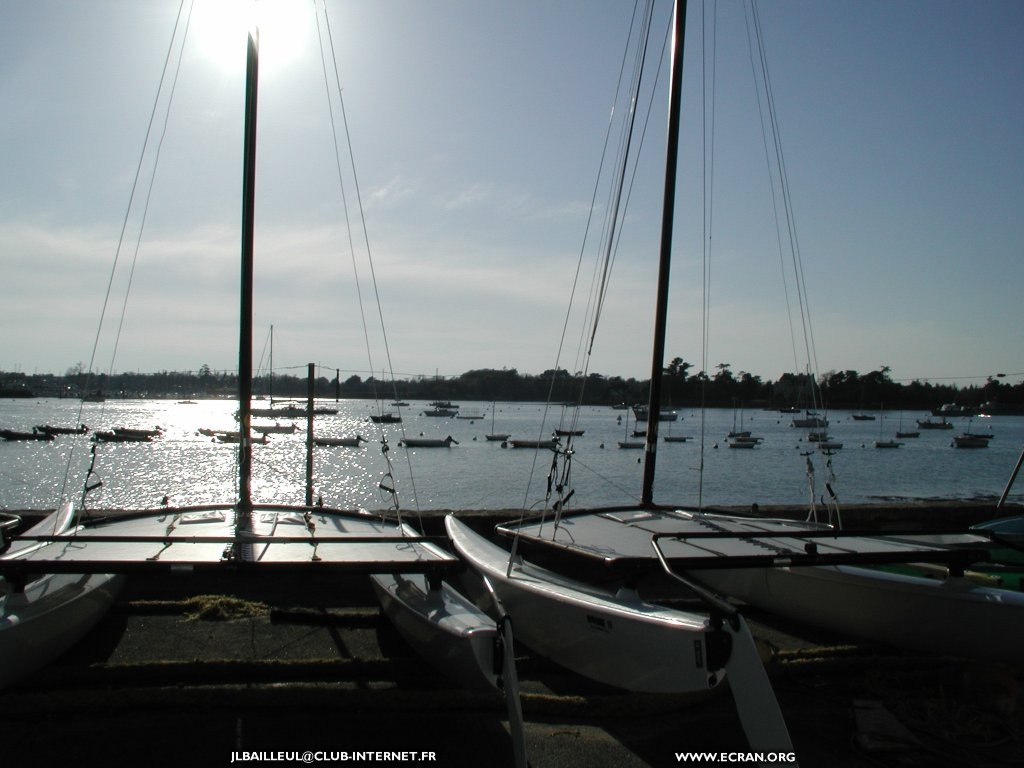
{"x": 191, "y": 468}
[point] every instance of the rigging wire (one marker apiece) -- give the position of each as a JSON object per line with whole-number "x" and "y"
{"x": 781, "y": 195}
{"x": 169, "y": 56}
{"x": 591, "y": 309}
{"x": 385, "y": 448}
{"x": 707, "y": 222}
{"x": 617, "y": 202}
{"x": 782, "y": 183}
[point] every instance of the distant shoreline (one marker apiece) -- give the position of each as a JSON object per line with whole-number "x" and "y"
{"x": 834, "y": 390}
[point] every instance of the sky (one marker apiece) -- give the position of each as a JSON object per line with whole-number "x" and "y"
{"x": 446, "y": 232}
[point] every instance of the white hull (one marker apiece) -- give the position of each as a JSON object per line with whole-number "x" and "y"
{"x": 953, "y": 616}
{"x": 445, "y": 627}
{"x": 457, "y": 638}
{"x": 53, "y": 612}
{"x": 452, "y": 634}
{"x": 614, "y": 639}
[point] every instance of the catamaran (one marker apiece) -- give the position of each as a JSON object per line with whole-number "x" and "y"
{"x": 58, "y": 560}
{"x": 614, "y": 636}
{"x": 810, "y": 571}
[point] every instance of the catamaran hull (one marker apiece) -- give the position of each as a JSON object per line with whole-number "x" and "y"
{"x": 951, "y": 617}
{"x": 52, "y": 614}
{"x": 53, "y": 611}
{"x": 446, "y": 629}
{"x": 615, "y": 639}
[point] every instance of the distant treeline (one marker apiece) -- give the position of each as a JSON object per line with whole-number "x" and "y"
{"x": 835, "y": 390}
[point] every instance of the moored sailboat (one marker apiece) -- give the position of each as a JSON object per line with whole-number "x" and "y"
{"x": 346, "y": 442}
{"x": 428, "y": 442}
{"x": 496, "y": 437}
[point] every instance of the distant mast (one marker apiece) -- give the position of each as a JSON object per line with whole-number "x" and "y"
{"x": 245, "y": 303}
{"x": 665, "y": 261}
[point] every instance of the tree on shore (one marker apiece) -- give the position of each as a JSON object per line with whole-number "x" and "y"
{"x": 836, "y": 389}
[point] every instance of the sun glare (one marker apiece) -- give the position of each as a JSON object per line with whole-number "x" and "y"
{"x": 221, "y": 27}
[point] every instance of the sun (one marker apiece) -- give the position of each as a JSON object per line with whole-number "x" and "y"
{"x": 220, "y": 28}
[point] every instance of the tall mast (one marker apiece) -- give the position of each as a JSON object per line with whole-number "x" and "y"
{"x": 245, "y": 319}
{"x": 665, "y": 260}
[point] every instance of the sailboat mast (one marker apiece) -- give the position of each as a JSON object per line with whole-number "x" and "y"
{"x": 245, "y": 303}
{"x": 665, "y": 259}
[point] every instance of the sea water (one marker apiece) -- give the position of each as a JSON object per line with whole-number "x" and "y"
{"x": 183, "y": 466}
